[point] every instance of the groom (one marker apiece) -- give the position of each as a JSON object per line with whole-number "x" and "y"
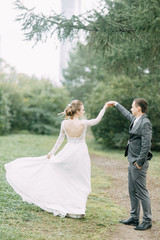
{"x": 138, "y": 152}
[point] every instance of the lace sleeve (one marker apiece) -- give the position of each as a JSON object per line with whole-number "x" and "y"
{"x": 96, "y": 120}
{"x": 59, "y": 140}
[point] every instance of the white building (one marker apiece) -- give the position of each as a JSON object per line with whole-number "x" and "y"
{"x": 69, "y": 8}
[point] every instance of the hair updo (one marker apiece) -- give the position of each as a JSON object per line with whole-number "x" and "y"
{"x": 72, "y": 108}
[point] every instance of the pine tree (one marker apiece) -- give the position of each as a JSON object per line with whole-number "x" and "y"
{"x": 126, "y": 32}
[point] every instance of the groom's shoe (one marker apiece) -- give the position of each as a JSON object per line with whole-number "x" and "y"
{"x": 143, "y": 226}
{"x": 130, "y": 221}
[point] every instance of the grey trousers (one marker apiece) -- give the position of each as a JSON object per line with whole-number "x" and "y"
{"x": 138, "y": 191}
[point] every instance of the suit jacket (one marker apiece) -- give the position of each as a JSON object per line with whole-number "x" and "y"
{"x": 139, "y": 143}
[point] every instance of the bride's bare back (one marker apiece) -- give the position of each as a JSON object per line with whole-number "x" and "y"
{"x": 73, "y": 128}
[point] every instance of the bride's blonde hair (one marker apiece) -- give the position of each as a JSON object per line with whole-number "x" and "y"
{"x": 72, "y": 108}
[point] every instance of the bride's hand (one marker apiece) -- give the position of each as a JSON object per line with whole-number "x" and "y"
{"x": 49, "y": 155}
{"x": 106, "y": 105}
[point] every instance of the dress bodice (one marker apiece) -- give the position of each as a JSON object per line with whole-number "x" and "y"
{"x": 81, "y": 138}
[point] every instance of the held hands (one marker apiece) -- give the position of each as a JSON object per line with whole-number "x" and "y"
{"x": 106, "y": 105}
{"x": 110, "y": 104}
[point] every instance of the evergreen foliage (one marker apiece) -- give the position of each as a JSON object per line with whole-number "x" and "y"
{"x": 85, "y": 69}
{"x": 124, "y": 31}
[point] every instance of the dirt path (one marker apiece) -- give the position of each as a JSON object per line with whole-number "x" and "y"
{"x": 118, "y": 171}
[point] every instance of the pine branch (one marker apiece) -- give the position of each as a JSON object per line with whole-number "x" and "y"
{"x": 39, "y": 27}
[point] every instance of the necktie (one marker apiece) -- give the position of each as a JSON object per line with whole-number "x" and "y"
{"x": 132, "y": 124}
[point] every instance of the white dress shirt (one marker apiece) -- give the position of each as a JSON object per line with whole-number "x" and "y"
{"x": 136, "y": 120}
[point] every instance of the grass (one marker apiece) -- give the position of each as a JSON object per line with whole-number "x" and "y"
{"x": 97, "y": 149}
{"x": 154, "y": 169}
{"x": 22, "y": 221}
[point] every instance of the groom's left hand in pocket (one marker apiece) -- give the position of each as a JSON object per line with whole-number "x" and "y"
{"x": 137, "y": 165}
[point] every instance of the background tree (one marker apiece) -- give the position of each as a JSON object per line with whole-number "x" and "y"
{"x": 28, "y": 103}
{"x": 123, "y": 37}
{"x": 4, "y": 113}
{"x": 113, "y": 129}
{"x": 85, "y": 69}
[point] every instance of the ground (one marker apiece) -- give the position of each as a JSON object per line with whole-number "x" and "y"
{"x": 118, "y": 171}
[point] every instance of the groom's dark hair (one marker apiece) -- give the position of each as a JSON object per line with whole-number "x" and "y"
{"x": 142, "y": 103}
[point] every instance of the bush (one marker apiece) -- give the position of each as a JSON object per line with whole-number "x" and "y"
{"x": 113, "y": 129}
{"x": 27, "y": 103}
{"x": 4, "y": 113}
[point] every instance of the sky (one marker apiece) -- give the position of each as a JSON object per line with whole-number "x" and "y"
{"x": 41, "y": 60}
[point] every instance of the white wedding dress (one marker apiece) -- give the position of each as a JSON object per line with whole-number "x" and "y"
{"x": 61, "y": 184}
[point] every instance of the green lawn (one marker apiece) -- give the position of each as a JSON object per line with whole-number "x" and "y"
{"x": 22, "y": 221}
{"x": 19, "y": 220}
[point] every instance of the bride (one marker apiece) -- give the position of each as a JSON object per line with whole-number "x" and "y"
{"x": 59, "y": 183}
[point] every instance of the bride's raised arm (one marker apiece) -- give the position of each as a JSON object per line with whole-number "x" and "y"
{"x": 96, "y": 120}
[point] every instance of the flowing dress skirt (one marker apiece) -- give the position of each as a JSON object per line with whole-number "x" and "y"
{"x": 59, "y": 185}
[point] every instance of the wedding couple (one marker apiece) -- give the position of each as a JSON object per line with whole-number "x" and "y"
{"x": 60, "y": 183}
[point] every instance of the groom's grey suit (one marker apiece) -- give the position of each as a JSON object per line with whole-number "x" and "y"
{"x": 138, "y": 150}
